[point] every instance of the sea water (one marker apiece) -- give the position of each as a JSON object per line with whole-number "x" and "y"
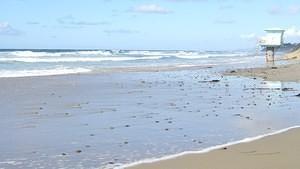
{"x": 19, "y": 63}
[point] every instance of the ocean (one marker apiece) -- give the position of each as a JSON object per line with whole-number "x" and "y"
{"x": 39, "y": 62}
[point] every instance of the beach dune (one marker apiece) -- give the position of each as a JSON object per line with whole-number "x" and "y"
{"x": 273, "y": 152}
{"x": 293, "y": 55}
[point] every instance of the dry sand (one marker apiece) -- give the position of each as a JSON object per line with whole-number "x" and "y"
{"x": 273, "y": 152}
{"x": 272, "y": 73}
{"x": 293, "y": 55}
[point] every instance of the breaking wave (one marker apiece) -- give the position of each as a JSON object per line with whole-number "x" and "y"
{"x": 40, "y": 62}
{"x": 41, "y": 72}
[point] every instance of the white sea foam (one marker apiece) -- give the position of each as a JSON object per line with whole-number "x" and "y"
{"x": 206, "y": 150}
{"x": 57, "y": 54}
{"x": 149, "y": 53}
{"x": 73, "y": 59}
{"x": 67, "y": 58}
{"x": 33, "y": 54}
{"x": 43, "y": 72}
{"x": 179, "y": 54}
{"x": 10, "y": 60}
{"x": 193, "y": 55}
{"x": 11, "y": 162}
{"x": 98, "y": 52}
{"x": 101, "y": 55}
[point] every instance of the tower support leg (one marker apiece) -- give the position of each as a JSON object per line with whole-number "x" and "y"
{"x": 270, "y": 53}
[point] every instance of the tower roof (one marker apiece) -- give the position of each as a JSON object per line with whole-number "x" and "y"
{"x": 275, "y": 30}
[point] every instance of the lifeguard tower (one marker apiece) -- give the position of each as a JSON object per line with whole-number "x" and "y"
{"x": 272, "y": 40}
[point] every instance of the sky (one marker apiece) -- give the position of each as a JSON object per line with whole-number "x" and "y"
{"x": 144, "y": 24}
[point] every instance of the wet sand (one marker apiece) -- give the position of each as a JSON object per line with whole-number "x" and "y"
{"x": 167, "y": 68}
{"x": 277, "y": 151}
{"x": 286, "y": 73}
{"x": 109, "y": 119}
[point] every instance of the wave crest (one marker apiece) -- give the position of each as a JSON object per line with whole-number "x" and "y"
{"x": 42, "y": 72}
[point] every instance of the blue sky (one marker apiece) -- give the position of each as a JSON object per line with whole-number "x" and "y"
{"x": 144, "y": 24}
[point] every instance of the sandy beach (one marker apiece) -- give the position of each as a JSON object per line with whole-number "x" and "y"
{"x": 286, "y": 73}
{"x": 109, "y": 119}
{"x": 277, "y": 151}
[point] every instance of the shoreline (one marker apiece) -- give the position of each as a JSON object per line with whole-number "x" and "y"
{"x": 142, "y": 163}
{"x": 287, "y": 72}
{"x": 180, "y": 67}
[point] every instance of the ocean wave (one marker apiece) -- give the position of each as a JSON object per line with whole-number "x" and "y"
{"x": 41, "y": 72}
{"x": 75, "y": 59}
{"x": 59, "y": 57}
{"x": 29, "y": 53}
{"x": 148, "y": 53}
{"x": 185, "y": 54}
{"x": 208, "y": 55}
{"x": 104, "y": 55}
{"x": 98, "y": 52}
{"x": 32, "y": 54}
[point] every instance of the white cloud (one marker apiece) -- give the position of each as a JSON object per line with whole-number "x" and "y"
{"x": 225, "y": 21}
{"x": 226, "y": 7}
{"x": 7, "y": 29}
{"x": 151, "y": 8}
{"x": 292, "y": 32}
{"x": 70, "y": 20}
{"x": 275, "y": 10}
{"x": 284, "y": 10}
{"x": 33, "y": 23}
{"x": 294, "y": 9}
{"x": 121, "y": 31}
{"x": 249, "y": 36}
{"x": 184, "y": 0}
